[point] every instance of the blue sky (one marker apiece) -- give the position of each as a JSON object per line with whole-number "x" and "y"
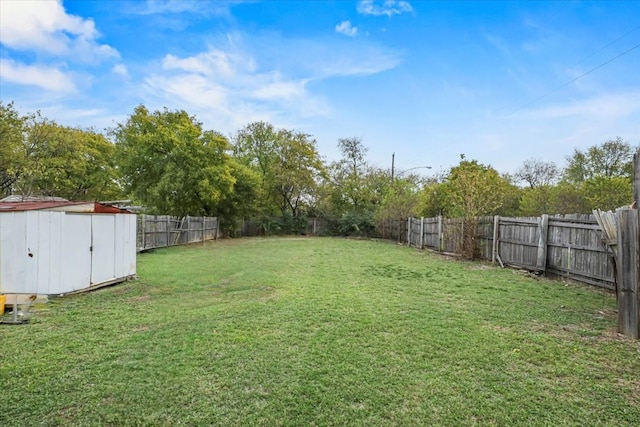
{"x": 426, "y": 80}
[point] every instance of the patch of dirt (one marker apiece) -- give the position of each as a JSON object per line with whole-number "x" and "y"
{"x": 397, "y": 272}
{"x": 481, "y": 267}
{"x": 142, "y": 328}
{"x": 141, "y": 298}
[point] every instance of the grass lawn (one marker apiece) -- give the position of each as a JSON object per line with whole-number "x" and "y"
{"x": 320, "y": 331}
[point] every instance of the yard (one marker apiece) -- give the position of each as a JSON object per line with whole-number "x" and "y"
{"x": 321, "y": 331}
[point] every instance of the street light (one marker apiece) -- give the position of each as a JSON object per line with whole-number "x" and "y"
{"x": 393, "y": 169}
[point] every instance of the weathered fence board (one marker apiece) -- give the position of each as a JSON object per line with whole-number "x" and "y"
{"x": 158, "y": 231}
{"x": 627, "y": 263}
{"x": 570, "y": 246}
{"x": 392, "y": 229}
{"x": 452, "y": 232}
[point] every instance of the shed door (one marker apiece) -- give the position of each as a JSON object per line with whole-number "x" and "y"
{"x": 77, "y": 257}
{"x": 103, "y": 248}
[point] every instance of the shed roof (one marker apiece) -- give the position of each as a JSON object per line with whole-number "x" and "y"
{"x": 65, "y": 206}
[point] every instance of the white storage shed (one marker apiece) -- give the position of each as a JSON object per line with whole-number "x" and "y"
{"x": 53, "y": 248}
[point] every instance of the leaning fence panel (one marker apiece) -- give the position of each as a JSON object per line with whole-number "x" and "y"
{"x": 570, "y": 246}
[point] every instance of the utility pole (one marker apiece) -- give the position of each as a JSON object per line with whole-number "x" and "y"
{"x": 393, "y": 162}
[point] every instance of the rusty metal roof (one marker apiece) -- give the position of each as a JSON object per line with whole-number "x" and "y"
{"x": 66, "y": 206}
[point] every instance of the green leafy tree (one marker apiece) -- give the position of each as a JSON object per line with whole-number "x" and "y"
{"x": 354, "y": 191}
{"x": 12, "y": 147}
{"x": 401, "y": 199}
{"x": 241, "y": 202}
{"x": 607, "y": 192}
{"x": 433, "y": 199}
{"x": 71, "y": 163}
{"x": 612, "y": 158}
{"x": 601, "y": 177}
{"x": 171, "y": 165}
{"x": 473, "y": 190}
{"x": 537, "y": 201}
{"x": 288, "y": 166}
{"x": 42, "y": 158}
{"x": 567, "y": 198}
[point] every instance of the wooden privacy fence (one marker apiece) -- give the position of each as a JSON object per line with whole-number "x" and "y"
{"x": 274, "y": 226}
{"x": 570, "y": 246}
{"x": 392, "y": 229}
{"x": 159, "y": 231}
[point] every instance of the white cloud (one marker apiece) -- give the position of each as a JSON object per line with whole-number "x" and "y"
{"x": 228, "y": 86}
{"x": 48, "y": 78}
{"x": 165, "y": 7}
{"x": 598, "y": 108}
{"x": 388, "y": 7}
{"x": 346, "y": 28}
{"x": 44, "y": 26}
{"x": 121, "y": 70}
{"x": 214, "y": 62}
{"x": 366, "y": 61}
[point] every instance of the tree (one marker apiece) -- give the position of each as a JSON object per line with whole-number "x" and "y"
{"x": 348, "y": 176}
{"x": 287, "y": 163}
{"x": 41, "y": 158}
{"x": 433, "y": 199}
{"x": 12, "y": 148}
{"x": 607, "y": 193}
{"x": 537, "y": 173}
{"x": 71, "y": 163}
{"x": 171, "y": 165}
{"x": 241, "y": 202}
{"x": 472, "y": 190}
{"x": 602, "y": 175}
{"x": 354, "y": 191}
{"x": 401, "y": 198}
{"x": 611, "y": 158}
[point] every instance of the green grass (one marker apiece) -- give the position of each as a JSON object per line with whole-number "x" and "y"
{"x": 319, "y": 331}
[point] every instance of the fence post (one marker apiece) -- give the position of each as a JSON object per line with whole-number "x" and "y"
{"x": 440, "y": 234}
{"x": 409, "y": 232}
{"x": 144, "y": 231}
{"x": 314, "y": 226}
{"x": 421, "y": 232}
{"x": 204, "y": 228}
{"x": 628, "y": 266}
{"x": 496, "y": 236}
{"x": 168, "y": 229}
{"x": 543, "y": 228}
{"x": 636, "y": 179}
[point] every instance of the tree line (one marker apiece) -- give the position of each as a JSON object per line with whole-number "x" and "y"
{"x": 167, "y": 162}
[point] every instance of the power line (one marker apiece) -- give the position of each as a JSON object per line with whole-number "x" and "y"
{"x": 574, "y": 79}
{"x": 607, "y": 45}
